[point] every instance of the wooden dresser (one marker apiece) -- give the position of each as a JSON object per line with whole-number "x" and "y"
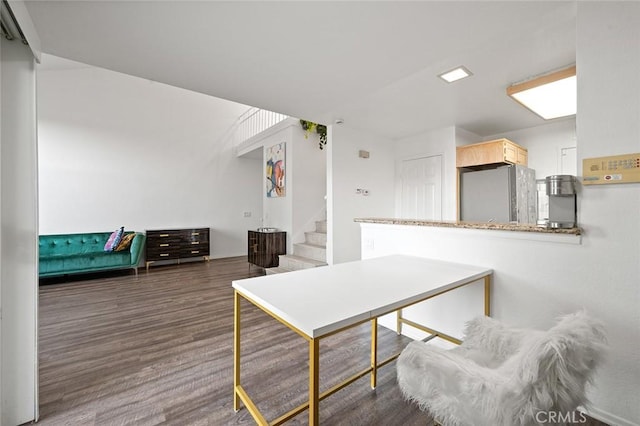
{"x": 265, "y": 247}
{"x": 176, "y": 244}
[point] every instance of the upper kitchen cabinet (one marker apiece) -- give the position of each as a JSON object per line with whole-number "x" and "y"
{"x": 491, "y": 152}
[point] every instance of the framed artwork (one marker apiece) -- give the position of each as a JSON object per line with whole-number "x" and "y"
{"x": 276, "y": 170}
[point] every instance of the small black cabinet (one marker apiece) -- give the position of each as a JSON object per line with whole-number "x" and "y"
{"x": 265, "y": 247}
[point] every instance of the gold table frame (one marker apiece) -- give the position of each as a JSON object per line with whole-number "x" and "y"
{"x": 241, "y": 396}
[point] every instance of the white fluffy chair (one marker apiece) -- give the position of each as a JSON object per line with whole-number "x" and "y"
{"x": 503, "y": 376}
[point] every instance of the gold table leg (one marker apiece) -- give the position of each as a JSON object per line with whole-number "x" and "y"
{"x": 399, "y": 321}
{"x": 374, "y": 352}
{"x": 236, "y": 351}
{"x": 314, "y": 381}
{"x": 487, "y": 295}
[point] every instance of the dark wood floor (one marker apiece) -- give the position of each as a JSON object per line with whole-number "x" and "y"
{"x": 157, "y": 349}
{"x": 119, "y": 350}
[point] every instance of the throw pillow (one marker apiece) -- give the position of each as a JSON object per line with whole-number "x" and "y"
{"x": 125, "y": 242}
{"x": 114, "y": 239}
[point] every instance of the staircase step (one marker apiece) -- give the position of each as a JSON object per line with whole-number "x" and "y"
{"x": 321, "y": 226}
{"x": 310, "y": 251}
{"x": 316, "y": 238}
{"x": 293, "y": 262}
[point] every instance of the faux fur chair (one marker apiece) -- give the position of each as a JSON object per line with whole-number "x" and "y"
{"x": 503, "y": 376}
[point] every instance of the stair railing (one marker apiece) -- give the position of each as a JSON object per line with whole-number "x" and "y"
{"x": 253, "y": 122}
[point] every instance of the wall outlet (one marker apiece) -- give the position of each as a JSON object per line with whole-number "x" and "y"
{"x": 246, "y": 214}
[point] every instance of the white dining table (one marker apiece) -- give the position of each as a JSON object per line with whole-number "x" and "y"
{"x": 319, "y": 302}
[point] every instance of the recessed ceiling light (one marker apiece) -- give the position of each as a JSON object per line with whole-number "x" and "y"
{"x": 550, "y": 96}
{"x": 455, "y": 74}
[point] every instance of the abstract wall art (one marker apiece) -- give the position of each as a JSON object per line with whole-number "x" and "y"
{"x": 275, "y": 168}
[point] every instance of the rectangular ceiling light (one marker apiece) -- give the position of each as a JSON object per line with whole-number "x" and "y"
{"x": 550, "y": 96}
{"x": 455, "y": 74}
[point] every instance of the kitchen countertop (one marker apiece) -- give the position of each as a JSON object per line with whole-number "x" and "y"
{"x": 472, "y": 225}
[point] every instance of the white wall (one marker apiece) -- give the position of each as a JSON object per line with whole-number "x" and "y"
{"x": 309, "y": 181}
{"x": 544, "y": 144}
{"x": 345, "y": 173}
{"x": 608, "y": 123}
{"x": 537, "y": 279}
{"x": 18, "y": 235}
{"x": 117, "y": 150}
{"x": 465, "y": 137}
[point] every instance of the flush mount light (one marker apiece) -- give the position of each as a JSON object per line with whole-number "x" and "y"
{"x": 550, "y": 96}
{"x": 455, "y": 74}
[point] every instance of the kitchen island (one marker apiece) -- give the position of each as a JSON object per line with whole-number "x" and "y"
{"x": 530, "y": 263}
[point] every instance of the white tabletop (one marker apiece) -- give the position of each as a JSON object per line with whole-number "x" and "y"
{"x": 320, "y": 300}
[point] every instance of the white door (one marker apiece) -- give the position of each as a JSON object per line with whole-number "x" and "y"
{"x": 421, "y": 181}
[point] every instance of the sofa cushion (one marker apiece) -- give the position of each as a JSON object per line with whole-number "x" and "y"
{"x": 125, "y": 242}
{"x": 114, "y": 239}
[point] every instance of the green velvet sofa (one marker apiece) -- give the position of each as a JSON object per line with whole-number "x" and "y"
{"x": 83, "y": 253}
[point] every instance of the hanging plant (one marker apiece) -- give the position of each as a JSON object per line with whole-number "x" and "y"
{"x": 311, "y": 127}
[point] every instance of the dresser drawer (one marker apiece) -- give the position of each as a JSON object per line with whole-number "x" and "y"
{"x": 195, "y": 244}
{"x": 168, "y": 247}
{"x": 164, "y": 234}
{"x": 195, "y": 235}
{"x": 163, "y": 242}
{"x": 162, "y": 255}
{"x": 193, "y": 252}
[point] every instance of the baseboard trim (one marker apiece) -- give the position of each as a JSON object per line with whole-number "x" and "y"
{"x": 608, "y": 418}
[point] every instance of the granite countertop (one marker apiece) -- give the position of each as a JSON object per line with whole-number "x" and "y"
{"x": 472, "y": 225}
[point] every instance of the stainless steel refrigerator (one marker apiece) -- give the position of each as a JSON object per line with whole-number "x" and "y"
{"x": 506, "y": 194}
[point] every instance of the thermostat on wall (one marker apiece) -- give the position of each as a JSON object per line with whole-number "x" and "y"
{"x": 615, "y": 169}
